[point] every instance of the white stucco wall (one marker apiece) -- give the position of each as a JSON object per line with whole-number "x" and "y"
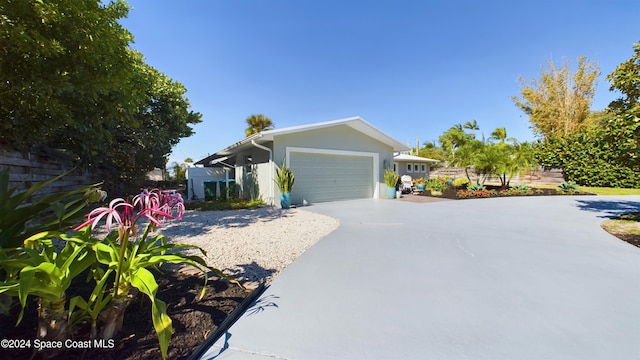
{"x": 337, "y": 138}
{"x": 196, "y": 176}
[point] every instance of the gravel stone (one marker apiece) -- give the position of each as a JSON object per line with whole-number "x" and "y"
{"x": 250, "y": 245}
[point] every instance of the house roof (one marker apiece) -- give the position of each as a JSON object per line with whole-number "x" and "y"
{"x": 412, "y": 158}
{"x": 356, "y": 123}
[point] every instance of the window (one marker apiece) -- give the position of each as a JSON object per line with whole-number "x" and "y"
{"x": 248, "y": 161}
{"x": 416, "y": 168}
{"x": 423, "y": 168}
{"x": 395, "y": 167}
{"x": 409, "y": 168}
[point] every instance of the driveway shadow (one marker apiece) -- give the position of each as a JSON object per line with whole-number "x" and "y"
{"x": 250, "y": 272}
{"x": 608, "y": 208}
{"x": 197, "y": 222}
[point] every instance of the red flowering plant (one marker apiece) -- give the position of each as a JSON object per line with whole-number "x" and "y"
{"x": 129, "y": 257}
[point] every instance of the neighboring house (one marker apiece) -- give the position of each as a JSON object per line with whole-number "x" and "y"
{"x": 197, "y": 176}
{"x": 414, "y": 166}
{"x": 333, "y": 160}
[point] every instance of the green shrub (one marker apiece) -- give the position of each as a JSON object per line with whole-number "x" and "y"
{"x": 461, "y": 182}
{"x": 437, "y": 184}
{"x": 569, "y": 187}
{"x": 587, "y": 159}
{"x": 521, "y": 188}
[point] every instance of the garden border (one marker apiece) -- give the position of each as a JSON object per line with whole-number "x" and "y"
{"x": 228, "y": 321}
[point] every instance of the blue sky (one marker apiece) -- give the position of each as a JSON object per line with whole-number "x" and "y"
{"x": 411, "y": 68}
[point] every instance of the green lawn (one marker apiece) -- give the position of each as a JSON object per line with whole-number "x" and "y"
{"x": 610, "y": 191}
{"x": 596, "y": 190}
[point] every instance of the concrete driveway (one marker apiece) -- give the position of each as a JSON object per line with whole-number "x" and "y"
{"x": 507, "y": 278}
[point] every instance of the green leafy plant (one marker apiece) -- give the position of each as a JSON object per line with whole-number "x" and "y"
{"x": 37, "y": 269}
{"x": 523, "y": 188}
{"x": 436, "y": 184}
{"x": 284, "y": 178}
{"x": 390, "y": 178}
{"x": 569, "y": 186}
{"x": 21, "y": 218}
{"x": 476, "y": 187}
{"x": 130, "y": 257}
{"x": 461, "y": 182}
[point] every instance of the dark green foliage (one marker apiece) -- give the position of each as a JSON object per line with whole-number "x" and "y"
{"x": 609, "y": 155}
{"x": 587, "y": 159}
{"x": 71, "y": 81}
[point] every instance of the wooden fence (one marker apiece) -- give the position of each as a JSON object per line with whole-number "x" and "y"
{"x": 538, "y": 176}
{"x": 27, "y": 169}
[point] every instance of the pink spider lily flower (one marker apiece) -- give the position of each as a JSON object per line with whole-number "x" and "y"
{"x": 110, "y": 212}
{"x": 123, "y": 213}
{"x": 172, "y": 202}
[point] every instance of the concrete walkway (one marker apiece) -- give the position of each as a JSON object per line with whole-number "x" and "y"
{"x": 507, "y": 278}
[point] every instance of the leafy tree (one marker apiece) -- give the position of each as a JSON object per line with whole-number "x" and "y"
{"x": 70, "y": 81}
{"x": 622, "y": 131}
{"x": 451, "y": 140}
{"x": 607, "y": 155}
{"x": 466, "y": 156}
{"x": 59, "y": 61}
{"x": 558, "y": 103}
{"x": 144, "y": 142}
{"x": 257, "y": 123}
{"x": 430, "y": 150}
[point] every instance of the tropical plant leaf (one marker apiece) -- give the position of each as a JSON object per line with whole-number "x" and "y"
{"x": 143, "y": 280}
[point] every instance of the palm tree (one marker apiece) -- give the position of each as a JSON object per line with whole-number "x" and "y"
{"x": 451, "y": 140}
{"x": 471, "y": 125}
{"x": 258, "y": 123}
{"x": 499, "y": 134}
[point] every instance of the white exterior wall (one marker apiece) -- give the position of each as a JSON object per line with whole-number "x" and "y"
{"x": 402, "y": 169}
{"x": 196, "y": 176}
{"x": 338, "y": 138}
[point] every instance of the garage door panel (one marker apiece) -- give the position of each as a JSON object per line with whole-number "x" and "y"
{"x": 323, "y": 177}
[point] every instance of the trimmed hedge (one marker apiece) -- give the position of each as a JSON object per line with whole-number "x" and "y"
{"x": 588, "y": 159}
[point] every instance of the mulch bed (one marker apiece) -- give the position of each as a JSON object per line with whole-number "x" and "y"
{"x": 451, "y": 193}
{"x": 193, "y": 321}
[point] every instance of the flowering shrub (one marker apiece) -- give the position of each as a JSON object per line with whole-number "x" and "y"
{"x": 117, "y": 263}
{"x": 465, "y": 194}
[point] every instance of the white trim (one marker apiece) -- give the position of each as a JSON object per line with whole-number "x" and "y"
{"x": 375, "y": 157}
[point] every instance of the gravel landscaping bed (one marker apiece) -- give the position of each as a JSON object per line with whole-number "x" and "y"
{"x": 251, "y": 245}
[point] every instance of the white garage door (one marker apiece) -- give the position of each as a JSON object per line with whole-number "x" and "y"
{"x": 329, "y": 177}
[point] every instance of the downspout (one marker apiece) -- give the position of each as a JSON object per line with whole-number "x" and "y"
{"x": 271, "y": 178}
